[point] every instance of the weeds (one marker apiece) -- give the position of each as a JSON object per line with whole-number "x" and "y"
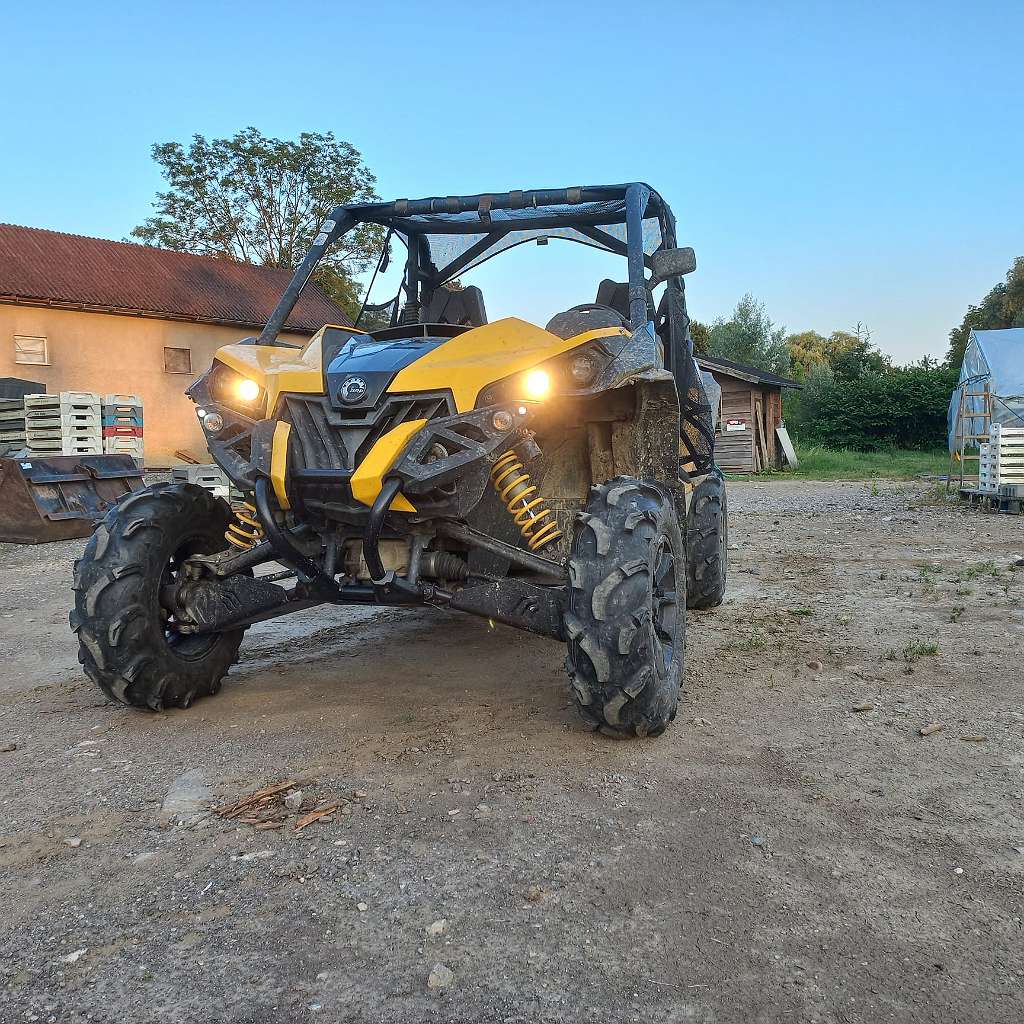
{"x": 911, "y": 653}
{"x": 977, "y": 569}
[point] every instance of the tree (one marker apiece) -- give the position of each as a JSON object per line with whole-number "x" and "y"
{"x": 849, "y": 354}
{"x": 701, "y": 337}
{"x": 807, "y": 350}
{"x": 260, "y": 200}
{"x": 1002, "y": 307}
{"x": 852, "y": 355}
{"x": 750, "y": 337}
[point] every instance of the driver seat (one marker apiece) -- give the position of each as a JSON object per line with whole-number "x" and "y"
{"x": 464, "y": 307}
{"x": 616, "y": 295}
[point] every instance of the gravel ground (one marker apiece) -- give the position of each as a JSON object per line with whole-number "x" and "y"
{"x": 792, "y": 849}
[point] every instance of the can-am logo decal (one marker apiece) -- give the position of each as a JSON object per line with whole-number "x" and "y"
{"x": 352, "y": 390}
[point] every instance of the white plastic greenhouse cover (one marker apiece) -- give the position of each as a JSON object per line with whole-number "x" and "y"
{"x": 993, "y": 362}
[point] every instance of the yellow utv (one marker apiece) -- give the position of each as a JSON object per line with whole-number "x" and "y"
{"x": 557, "y": 479}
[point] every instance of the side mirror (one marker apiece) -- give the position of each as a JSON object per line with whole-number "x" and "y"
{"x": 668, "y": 263}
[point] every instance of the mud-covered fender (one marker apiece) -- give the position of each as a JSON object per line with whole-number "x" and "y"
{"x": 652, "y": 436}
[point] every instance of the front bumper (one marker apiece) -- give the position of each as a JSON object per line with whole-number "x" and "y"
{"x": 443, "y": 467}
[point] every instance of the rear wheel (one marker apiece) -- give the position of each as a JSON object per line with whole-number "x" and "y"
{"x": 707, "y": 543}
{"x": 124, "y": 615}
{"x": 626, "y": 623}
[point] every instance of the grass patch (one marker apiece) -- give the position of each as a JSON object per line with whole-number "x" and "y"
{"x": 820, "y": 463}
{"x": 973, "y": 571}
{"x": 912, "y": 653}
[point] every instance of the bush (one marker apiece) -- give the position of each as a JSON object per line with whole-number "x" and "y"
{"x": 900, "y": 407}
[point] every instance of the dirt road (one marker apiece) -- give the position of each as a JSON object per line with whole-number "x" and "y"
{"x": 776, "y": 856}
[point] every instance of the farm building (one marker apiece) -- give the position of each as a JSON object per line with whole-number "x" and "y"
{"x": 88, "y": 314}
{"x": 745, "y": 440}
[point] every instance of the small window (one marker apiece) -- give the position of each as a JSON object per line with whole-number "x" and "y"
{"x": 178, "y": 360}
{"x": 31, "y": 350}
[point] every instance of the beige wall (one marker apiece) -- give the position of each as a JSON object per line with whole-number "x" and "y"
{"x": 104, "y": 353}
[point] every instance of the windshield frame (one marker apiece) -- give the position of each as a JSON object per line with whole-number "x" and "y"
{"x": 414, "y": 220}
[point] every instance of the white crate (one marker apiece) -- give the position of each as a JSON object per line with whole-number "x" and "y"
{"x": 122, "y": 400}
{"x": 1003, "y": 456}
{"x": 63, "y": 446}
{"x": 73, "y": 419}
{"x": 123, "y": 446}
{"x": 209, "y": 476}
{"x": 65, "y": 400}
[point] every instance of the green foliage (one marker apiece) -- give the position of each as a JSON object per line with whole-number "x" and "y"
{"x": 892, "y": 407}
{"x": 807, "y": 350}
{"x": 701, "y": 337}
{"x": 750, "y": 337}
{"x": 849, "y": 354}
{"x": 260, "y": 200}
{"x": 1002, "y": 307}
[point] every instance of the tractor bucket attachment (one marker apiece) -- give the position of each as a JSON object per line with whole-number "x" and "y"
{"x": 63, "y": 497}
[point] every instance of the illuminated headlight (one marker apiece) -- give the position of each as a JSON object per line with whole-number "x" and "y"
{"x": 247, "y": 390}
{"x": 240, "y": 393}
{"x": 537, "y": 384}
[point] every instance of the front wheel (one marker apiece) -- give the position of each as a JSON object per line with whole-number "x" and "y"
{"x": 626, "y": 623}
{"x": 124, "y": 619}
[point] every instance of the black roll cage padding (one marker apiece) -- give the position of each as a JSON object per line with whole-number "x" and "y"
{"x": 640, "y": 201}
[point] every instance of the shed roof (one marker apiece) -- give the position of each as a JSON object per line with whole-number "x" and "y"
{"x": 752, "y": 373}
{"x": 52, "y": 268}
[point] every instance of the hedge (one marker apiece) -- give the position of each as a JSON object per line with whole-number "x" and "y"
{"x": 893, "y": 408}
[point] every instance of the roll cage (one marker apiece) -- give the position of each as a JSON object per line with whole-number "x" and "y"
{"x": 447, "y": 236}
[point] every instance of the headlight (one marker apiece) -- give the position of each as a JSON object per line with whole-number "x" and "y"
{"x": 583, "y": 369}
{"x": 537, "y": 384}
{"x": 228, "y": 387}
{"x": 248, "y": 390}
{"x": 567, "y": 374}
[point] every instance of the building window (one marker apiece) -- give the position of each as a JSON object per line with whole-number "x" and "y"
{"x": 31, "y": 350}
{"x": 178, "y": 360}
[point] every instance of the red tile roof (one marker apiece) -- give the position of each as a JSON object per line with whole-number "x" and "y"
{"x": 51, "y": 267}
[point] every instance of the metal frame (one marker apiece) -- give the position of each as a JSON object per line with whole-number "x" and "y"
{"x": 641, "y": 201}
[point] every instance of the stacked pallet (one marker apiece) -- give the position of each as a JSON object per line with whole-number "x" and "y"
{"x": 68, "y": 423}
{"x": 122, "y": 425}
{"x": 12, "y": 425}
{"x": 1001, "y": 467}
{"x": 210, "y": 477}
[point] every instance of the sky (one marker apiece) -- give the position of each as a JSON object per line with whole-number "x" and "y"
{"x": 841, "y": 162}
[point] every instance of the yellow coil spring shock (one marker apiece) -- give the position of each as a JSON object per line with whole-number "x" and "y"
{"x": 529, "y": 510}
{"x": 246, "y": 532}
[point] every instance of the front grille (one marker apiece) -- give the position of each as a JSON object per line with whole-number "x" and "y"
{"x": 330, "y": 438}
{"x": 320, "y": 446}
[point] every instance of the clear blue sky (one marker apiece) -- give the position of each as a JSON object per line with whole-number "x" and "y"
{"x": 842, "y": 162}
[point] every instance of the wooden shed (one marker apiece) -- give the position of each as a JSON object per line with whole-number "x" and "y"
{"x": 745, "y": 440}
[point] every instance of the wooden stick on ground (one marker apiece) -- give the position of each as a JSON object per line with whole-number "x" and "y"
{"x": 232, "y": 810}
{"x": 315, "y": 815}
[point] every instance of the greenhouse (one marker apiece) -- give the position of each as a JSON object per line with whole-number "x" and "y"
{"x": 990, "y": 389}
